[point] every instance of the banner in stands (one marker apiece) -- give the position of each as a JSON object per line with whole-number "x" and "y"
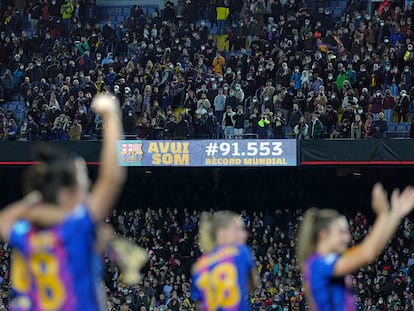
{"x": 211, "y": 153}
{"x": 357, "y": 152}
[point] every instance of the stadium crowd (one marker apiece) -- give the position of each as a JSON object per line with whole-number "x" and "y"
{"x": 284, "y": 69}
{"x": 170, "y": 238}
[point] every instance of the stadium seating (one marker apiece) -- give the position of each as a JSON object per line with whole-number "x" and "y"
{"x": 398, "y": 130}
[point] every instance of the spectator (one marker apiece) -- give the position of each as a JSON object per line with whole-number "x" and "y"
{"x": 211, "y": 125}
{"x": 223, "y": 13}
{"x": 279, "y": 126}
{"x": 228, "y": 122}
{"x": 381, "y": 126}
{"x": 369, "y": 127}
{"x": 402, "y": 107}
{"x": 75, "y": 130}
{"x": 239, "y": 120}
{"x": 343, "y": 130}
{"x": 315, "y": 127}
{"x": 349, "y": 113}
{"x": 219, "y": 104}
{"x": 198, "y": 126}
{"x": 356, "y": 127}
{"x": 218, "y": 63}
{"x": 171, "y": 127}
{"x": 376, "y": 104}
{"x": 12, "y": 130}
{"x": 203, "y": 105}
{"x": 8, "y": 84}
{"x": 263, "y": 126}
{"x": 388, "y": 105}
{"x": 295, "y": 116}
{"x": 66, "y": 11}
{"x": 301, "y": 129}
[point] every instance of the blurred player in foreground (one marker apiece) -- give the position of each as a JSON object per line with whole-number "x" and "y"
{"x": 224, "y": 274}
{"x": 53, "y": 229}
{"x": 323, "y": 253}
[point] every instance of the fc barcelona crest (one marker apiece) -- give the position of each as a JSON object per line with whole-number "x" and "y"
{"x": 131, "y": 153}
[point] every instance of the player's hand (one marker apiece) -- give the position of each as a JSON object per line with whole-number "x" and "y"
{"x": 104, "y": 104}
{"x": 402, "y": 203}
{"x": 379, "y": 200}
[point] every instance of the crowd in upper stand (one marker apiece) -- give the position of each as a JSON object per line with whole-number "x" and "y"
{"x": 208, "y": 69}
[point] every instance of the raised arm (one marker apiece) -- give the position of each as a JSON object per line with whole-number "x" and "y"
{"x": 8, "y": 216}
{"x": 111, "y": 176}
{"x": 383, "y": 230}
{"x": 30, "y": 209}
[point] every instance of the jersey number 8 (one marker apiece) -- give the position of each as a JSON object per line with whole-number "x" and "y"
{"x": 45, "y": 270}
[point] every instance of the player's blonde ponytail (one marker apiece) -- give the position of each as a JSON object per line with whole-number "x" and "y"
{"x": 313, "y": 222}
{"x": 206, "y": 238}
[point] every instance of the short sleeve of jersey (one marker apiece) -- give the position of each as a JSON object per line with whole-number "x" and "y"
{"x": 324, "y": 265}
{"x": 195, "y": 293}
{"x": 18, "y": 233}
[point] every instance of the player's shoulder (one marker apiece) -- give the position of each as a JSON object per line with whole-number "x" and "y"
{"x": 80, "y": 212}
{"x": 319, "y": 261}
{"x": 22, "y": 227}
{"x": 217, "y": 255}
{"x": 79, "y": 219}
{"x": 244, "y": 249}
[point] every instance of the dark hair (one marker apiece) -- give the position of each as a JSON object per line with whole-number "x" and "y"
{"x": 54, "y": 169}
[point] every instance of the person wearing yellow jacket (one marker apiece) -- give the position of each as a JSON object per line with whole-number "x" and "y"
{"x": 262, "y": 126}
{"x": 223, "y": 12}
{"x": 218, "y": 62}
{"x": 66, "y": 11}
